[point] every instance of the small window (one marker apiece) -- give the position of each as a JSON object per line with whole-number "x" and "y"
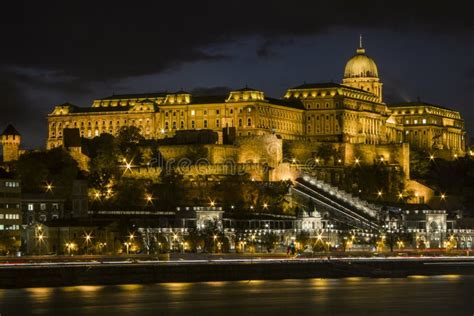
{"x": 31, "y": 207}
{"x": 218, "y": 112}
{"x": 205, "y": 123}
{"x": 193, "y": 124}
{"x": 217, "y": 123}
{"x": 42, "y": 206}
{"x": 424, "y": 121}
{"x": 193, "y": 112}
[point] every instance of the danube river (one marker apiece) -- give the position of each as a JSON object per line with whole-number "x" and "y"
{"x": 416, "y": 295}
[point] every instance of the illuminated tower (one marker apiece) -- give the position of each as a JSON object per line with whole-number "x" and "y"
{"x": 361, "y": 72}
{"x": 11, "y": 140}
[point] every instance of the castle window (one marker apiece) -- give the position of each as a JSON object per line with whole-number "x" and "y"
{"x": 174, "y": 113}
{"x": 309, "y": 118}
{"x": 166, "y": 114}
{"x": 217, "y": 123}
{"x": 193, "y": 124}
{"x": 240, "y": 122}
{"x": 167, "y": 125}
{"x": 249, "y": 122}
{"x": 327, "y": 105}
{"x": 218, "y": 112}
{"x": 407, "y": 122}
{"x": 205, "y": 112}
{"x": 96, "y": 133}
{"x": 424, "y": 121}
{"x": 205, "y": 123}
{"x": 317, "y": 105}
{"x": 231, "y": 111}
{"x": 174, "y": 125}
{"x": 182, "y": 124}
{"x": 193, "y": 112}
{"x": 415, "y": 122}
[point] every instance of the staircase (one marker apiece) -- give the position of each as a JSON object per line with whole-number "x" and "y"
{"x": 341, "y": 205}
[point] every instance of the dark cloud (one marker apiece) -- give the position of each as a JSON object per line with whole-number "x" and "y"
{"x": 62, "y": 50}
{"x": 121, "y": 39}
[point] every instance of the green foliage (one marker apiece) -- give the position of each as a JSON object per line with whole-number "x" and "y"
{"x": 303, "y": 239}
{"x": 56, "y": 167}
{"x": 128, "y": 139}
{"x": 326, "y": 152}
{"x": 270, "y": 240}
{"x": 370, "y": 179}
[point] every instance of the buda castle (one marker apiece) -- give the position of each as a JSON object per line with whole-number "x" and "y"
{"x": 350, "y": 112}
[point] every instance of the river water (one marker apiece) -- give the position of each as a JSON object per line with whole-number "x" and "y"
{"x": 416, "y": 295}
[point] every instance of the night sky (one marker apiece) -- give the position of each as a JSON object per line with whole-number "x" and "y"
{"x": 76, "y": 51}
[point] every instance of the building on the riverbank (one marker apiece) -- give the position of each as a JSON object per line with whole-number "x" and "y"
{"x": 10, "y": 213}
{"x": 73, "y": 237}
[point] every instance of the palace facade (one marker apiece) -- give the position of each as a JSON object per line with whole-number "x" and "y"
{"x": 351, "y": 112}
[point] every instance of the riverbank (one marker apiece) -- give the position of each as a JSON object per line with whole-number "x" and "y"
{"x": 138, "y": 272}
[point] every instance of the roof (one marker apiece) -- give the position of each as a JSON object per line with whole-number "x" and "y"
{"x": 5, "y": 174}
{"x": 44, "y": 196}
{"x": 292, "y": 103}
{"x": 417, "y": 103}
{"x": 136, "y": 96}
{"x": 203, "y": 99}
{"x": 100, "y": 109}
{"x": 325, "y": 85}
{"x": 78, "y": 223}
{"x": 247, "y": 89}
{"x": 10, "y": 130}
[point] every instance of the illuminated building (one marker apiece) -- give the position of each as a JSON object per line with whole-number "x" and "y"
{"x": 351, "y": 112}
{"x": 10, "y": 213}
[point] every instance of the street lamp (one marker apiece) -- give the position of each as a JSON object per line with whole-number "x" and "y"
{"x": 127, "y": 244}
{"x": 215, "y": 239}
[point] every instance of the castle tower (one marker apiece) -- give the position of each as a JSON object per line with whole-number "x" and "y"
{"x": 11, "y": 140}
{"x": 361, "y": 73}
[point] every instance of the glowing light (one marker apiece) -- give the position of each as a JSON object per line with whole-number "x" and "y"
{"x": 265, "y": 205}
{"x": 212, "y": 203}
{"x": 293, "y": 160}
{"x": 357, "y": 161}
{"x": 400, "y": 196}
{"x": 149, "y": 198}
{"x": 381, "y": 159}
{"x": 443, "y": 196}
{"x": 49, "y": 187}
{"x": 432, "y": 157}
{"x": 131, "y": 236}
{"x": 379, "y": 193}
{"x": 317, "y": 160}
{"x": 97, "y": 195}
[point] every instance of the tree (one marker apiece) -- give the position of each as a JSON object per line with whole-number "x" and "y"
{"x": 326, "y": 152}
{"x": 269, "y": 241}
{"x": 303, "y": 239}
{"x": 128, "y": 139}
{"x": 55, "y": 167}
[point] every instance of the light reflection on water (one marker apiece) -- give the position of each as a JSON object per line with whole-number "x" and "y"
{"x": 415, "y": 295}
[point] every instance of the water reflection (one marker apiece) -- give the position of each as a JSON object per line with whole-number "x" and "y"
{"x": 355, "y": 296}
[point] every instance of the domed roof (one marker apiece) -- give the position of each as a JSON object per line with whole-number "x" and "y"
{"x": 360, "y": 66}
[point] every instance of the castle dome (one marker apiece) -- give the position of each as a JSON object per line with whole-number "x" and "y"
{"x": 361, "y": 66}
